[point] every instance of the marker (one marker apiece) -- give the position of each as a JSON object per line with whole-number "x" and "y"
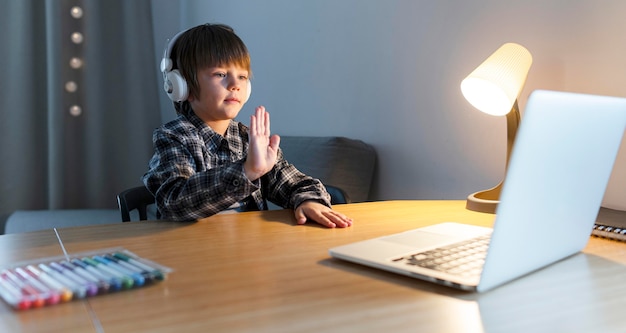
{"x": 77, "y": 290}
{"x": 37, "y": 298}
{"x": 138, "y": 279}
{"x": 127, "y": 281}
{"x": 91, "y": 289}
{"x": 53, "y": 296}
{"x": 64, "y": 293}
{"x": 103, "y": 285}
{"x": 13, "y": 295}
{"x": 114, "y": 282}
{"x": 149, "y": 277}
{"x": 155, "y": 272}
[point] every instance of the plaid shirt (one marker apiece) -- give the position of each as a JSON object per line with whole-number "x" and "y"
{"x": 196, "y": 173}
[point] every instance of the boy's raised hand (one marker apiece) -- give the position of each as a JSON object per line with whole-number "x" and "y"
{"x": 263, "y": 148}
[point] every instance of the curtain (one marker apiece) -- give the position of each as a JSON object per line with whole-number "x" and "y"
{"x": 78, "y": 101}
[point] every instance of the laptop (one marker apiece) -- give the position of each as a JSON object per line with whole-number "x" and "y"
{"x": 555, "y": 182}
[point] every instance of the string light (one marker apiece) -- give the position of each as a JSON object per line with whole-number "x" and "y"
{"x": 75, "y": 110}
{"x": 77, "y": 37}
{"x": 76, "y": 12}
{"x": 76, "y": 62}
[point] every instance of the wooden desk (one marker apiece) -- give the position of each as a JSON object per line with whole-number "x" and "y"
{"x": 258, "y": 272}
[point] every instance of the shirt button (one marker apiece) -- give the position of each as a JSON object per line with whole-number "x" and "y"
{"x": 236, "y": 182}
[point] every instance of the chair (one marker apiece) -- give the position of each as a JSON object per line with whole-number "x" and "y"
{"x": 140, "y": 198}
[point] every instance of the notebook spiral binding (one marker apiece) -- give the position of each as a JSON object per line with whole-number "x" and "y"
{"x": 605, "y": 231}
{"x": 610, "y": 224}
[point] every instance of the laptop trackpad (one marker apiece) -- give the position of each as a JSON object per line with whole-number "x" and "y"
{"x": 437, "y": 235}
{"x": 420, "y": 239}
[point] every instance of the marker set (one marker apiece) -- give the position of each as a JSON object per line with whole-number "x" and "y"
{"x": 51, "y": 281}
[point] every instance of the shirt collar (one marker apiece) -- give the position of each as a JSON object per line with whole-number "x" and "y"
{"x": 212, "y": 139}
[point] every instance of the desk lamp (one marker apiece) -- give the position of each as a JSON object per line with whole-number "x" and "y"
{"x": 493, "y": 88}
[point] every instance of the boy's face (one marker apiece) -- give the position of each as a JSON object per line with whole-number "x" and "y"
{"x": 223, "y": 92}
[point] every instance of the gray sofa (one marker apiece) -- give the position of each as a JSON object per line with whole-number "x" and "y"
{"x": 31, "y": 220}
{"x": 338, "y": 161}
{"x": 342, "y": 162}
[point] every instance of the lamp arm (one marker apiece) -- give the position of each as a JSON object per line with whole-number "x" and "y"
{"x": 512, "y": 123}
{"x": 487, "y": 201}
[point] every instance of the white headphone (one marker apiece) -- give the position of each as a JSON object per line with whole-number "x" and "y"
{"x": 174, "y": 83}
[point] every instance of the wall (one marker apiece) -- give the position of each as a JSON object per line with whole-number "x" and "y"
{"x": 388, "y": 73}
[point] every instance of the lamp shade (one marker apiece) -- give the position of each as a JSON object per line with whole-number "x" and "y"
{"x": 494, "y": 86}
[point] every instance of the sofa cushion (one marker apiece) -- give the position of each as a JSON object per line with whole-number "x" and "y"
{"x": 31, "y": 220}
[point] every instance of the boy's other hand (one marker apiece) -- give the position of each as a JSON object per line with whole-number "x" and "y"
{"x": 263, "y": 148}
{"x": 315, "y": 211}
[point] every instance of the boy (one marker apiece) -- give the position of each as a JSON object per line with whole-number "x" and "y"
{"x": 205, "y": 162}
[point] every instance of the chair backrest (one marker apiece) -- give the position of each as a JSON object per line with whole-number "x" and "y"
{"x": 138, "y": 198}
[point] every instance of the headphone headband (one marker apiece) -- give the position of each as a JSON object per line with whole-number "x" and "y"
{"x": 166, "y": 62}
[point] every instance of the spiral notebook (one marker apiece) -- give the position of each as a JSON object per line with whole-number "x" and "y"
{"x": 559, "y": 168}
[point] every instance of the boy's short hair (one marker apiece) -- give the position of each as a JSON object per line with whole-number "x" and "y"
{"x": 207, "y": 45}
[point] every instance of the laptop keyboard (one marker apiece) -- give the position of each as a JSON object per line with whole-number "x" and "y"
{"x": 465, "y": 258}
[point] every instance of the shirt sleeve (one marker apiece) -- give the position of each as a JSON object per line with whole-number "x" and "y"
{"x": 185, "y": 188}
{"x": 288, "y": 187}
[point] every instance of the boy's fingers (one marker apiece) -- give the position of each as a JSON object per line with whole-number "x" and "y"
{"x": 300, "y": 217}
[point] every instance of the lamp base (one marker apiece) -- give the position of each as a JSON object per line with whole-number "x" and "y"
{"x": 484, "y": 201}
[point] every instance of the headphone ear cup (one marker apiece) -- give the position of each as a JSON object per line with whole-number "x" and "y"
{"x": 249, "y": 91}
{"x": 175, "y": 86}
